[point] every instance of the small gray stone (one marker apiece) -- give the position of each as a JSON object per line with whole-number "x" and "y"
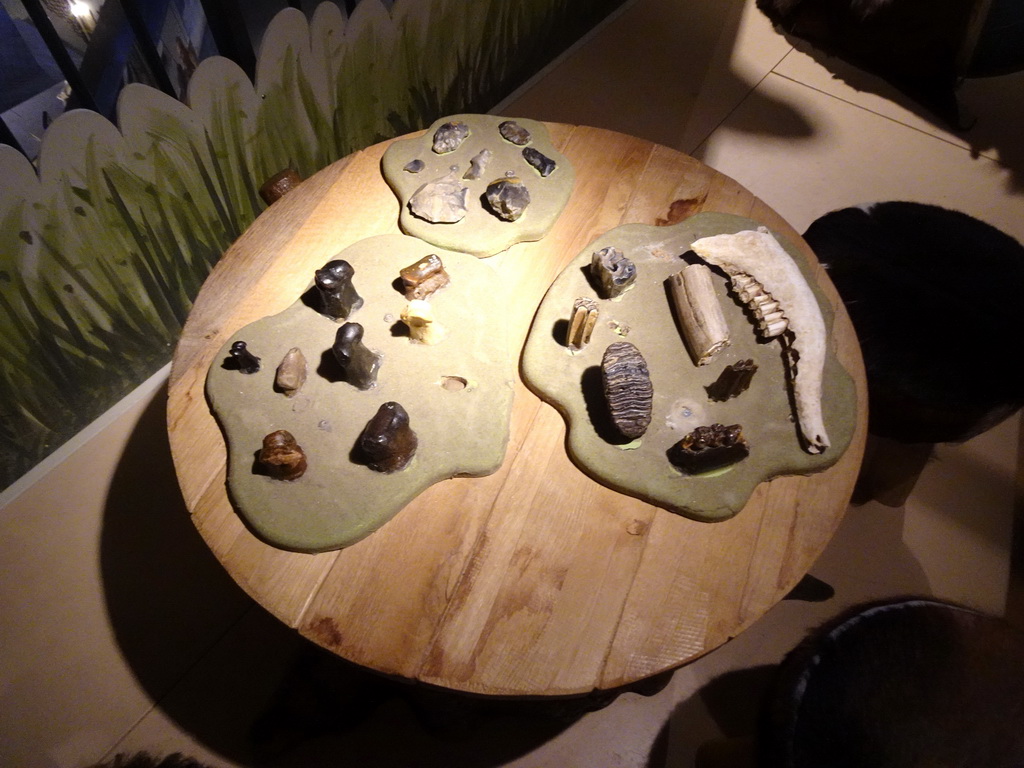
{"x": 441, "y": 201}
{"x": 507, "y": 198}
{"x": 512, "y": 131}
{"x": 478, "y": 164}
{"x": 449, "y": 137}
{"x": 541, "y": 162}
{"x": 415, "y": 166}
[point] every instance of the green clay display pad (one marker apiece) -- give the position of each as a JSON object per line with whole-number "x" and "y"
{"x": 480, "y": 231}
{"x": 458, "y": 394}
{"x": 644, "y": 316}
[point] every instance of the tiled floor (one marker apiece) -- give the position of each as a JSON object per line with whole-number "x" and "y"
{"x": 119, "y": 632}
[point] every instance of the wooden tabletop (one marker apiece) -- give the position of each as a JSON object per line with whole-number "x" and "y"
{"x": 535, "y": 580}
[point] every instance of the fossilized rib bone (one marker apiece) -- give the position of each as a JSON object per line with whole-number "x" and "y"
{"x": 758, "y": 265}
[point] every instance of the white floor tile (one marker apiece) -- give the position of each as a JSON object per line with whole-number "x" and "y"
{"x": 668, "y": 72}
{"x": 855, "y": 86}
{"x": 806, "y": 153}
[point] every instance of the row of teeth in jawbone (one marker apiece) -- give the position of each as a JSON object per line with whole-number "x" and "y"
{"x": 771, "y": 321}
{"x": 755, "y": 255}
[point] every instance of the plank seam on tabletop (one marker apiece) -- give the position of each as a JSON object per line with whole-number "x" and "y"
{"x": 478, "y": 543}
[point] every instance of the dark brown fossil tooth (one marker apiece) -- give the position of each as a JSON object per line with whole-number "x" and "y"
{"x": 281, "y": 457}
{"x": 338, "y": 297}
{"x": 245, "y": 360}
{"x": 359, "y": 363}
{"x": 709, "y": 447}
{"x": 388, "y": 443}
{"x": 733, "y": 380}
{"x": 279, "y": 185}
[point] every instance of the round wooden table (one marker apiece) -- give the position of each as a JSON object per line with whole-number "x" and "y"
{"x": 535, "y": 580}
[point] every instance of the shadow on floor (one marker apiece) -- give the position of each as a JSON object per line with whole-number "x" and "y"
{"x": 716, "y": 727}
{"x": 235, "y": 680}
{"x": 993, "y": 115}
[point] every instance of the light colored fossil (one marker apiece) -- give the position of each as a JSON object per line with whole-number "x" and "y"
{"x": 758, "y": 265}
{"x": 581, "y": 325}
{"x": 699, "y": 313}
{"x": 291, "y": 372}
{"x": 419, "y": 317}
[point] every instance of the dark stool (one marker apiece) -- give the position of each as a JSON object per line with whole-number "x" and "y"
{"x": 908, "y": 683}
{"x": 935, "y": 298}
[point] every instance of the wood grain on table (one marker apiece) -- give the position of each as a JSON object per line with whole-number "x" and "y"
{"x": 535, "y": 580}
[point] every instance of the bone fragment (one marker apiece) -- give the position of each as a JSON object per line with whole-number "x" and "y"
{"x": 699, "y": 312}
{"x": 419, "y": 317}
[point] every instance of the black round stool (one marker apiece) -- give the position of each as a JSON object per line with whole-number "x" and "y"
{"x": 935, "y": 297}
{"x": 908, "y": 683}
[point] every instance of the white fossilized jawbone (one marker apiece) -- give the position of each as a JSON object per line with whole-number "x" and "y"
{"x": 758, "y": 255}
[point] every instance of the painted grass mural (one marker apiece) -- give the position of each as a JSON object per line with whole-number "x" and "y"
{"x": 106, "y": 243}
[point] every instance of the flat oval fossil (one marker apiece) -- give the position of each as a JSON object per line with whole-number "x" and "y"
{"x": 627, "y": 388}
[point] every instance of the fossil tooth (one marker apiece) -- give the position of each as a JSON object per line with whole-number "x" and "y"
{"x": 449, "y": 137}
{"x": 613, "y": 272}
{"x": 543, "y": 164}
{"x": 512, "y": 131}
{"x": 733, "y": 381}
{"x": 414, "y": 166}
{"x": 244, "y": 360}
{"x": 627, "y": 388}
{"x": 280, "y": 184}
{"x": 419, "y": 317}
{"x": 507, "y": 198}
{"x": 478, "y": 164}
{"x": 771, "y": 320}
{"x": 754, "y": 255}
{"x": 338, "y": 296}
{"x": 359, "y": 363}
{"x": 387, "y": 442}
{"x": 441, "y": 201}
{"x": 421, "y": 279}
{"x": 709, "y": 447}
{"x": 581, "y": 324}
{"x": 699, "y": 313}
{"x": 291, "y": 372}
{"x": 281, "y": 457}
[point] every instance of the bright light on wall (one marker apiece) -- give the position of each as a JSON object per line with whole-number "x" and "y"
{"x": 84, "y": 15}
{"x": 79, "y": 9}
